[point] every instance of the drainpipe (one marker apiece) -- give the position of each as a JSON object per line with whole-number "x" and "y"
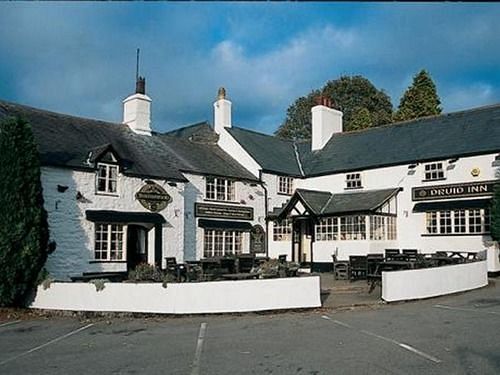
{"x": 266, "y": 204}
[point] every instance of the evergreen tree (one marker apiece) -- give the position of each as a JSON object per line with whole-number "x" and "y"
{"x": 23, "y": 220}
{"x": 348, "y": 94}
{"x": 361, "y": 118}
{"x": 297, "y": 124}
{"x": 420, "y": 99}
{"x": 495, "y": 214}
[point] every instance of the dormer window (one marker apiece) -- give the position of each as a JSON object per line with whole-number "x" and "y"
{"x": 107, "y": 178}
{"x": 353, "y": 181}
{"x": 433, "y": 171}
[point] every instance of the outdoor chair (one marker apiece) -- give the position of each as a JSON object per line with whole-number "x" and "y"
{"x": 245, "y": 262}
{"x": 341, "y": 270}
{"x": 389, "y": 253}
{"x": 412, "y": 254}
{"x": 171, "y": 264}
{"x": 228, "y": 265}
{"x": 282, "y": 258}
{"x": 358, "y": 265}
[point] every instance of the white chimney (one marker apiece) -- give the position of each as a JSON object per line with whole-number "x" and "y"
{"x": 325, "y": 122}
{"x": 137, "y": 109}
{"x": 222, "y": 112}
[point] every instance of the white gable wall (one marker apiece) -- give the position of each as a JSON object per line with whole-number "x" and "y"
{"x": 74, "y": 234}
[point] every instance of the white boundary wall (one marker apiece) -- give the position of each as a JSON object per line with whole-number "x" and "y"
{"x": 183, "y": 298}
{"x": 433, "y": 282}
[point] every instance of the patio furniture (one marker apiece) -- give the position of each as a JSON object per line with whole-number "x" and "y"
{"x": 245, "y": 262}
{"x": 227, "y": 265}
{"x": 341, "y": 270}
{"x": 411, "y": 253}
{"x": 372, "y": 261}
{"x": 389, "y": 253}
{"x": 358, "y": 267}
{"x": 282, "y": 258}
{"x": 240, "y": 276}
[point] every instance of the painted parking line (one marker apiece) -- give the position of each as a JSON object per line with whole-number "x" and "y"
{"x": 9, "y": 323}
{"x": 387, "y": 339}
{"x": 466, "y": 310}
{"x": 195, "y": 369}
{"x": 46, "y": 344}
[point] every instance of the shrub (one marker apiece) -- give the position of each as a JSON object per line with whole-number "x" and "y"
{"x": 23, "y": 220}
{"x": 145, "y": 272}
{"x": 99, "y": 284}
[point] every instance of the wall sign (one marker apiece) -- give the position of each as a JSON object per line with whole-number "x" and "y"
{"x": 153, "y": 197}
{"x": 257, "y": 240}
{"x": 223, "y": 211}
{"x": 472, "y": 189}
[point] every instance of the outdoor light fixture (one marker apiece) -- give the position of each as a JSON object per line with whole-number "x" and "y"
{"x": 412, "y": 166}
{"x": 174, "y": 184}
{"x": 451, "y": 161}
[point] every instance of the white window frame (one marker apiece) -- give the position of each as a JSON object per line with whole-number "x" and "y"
{"x": 434, "y": 171}
{"x": 282, "y": 230}
{"x": 378, "y": 228}
{"x": 353, "y": 181}
{"x": 327, "y": 229}
{"x": 107, "y": 179}
{"x": 219, "y": 242}
{"x": 228, "y": 187}
{"x": 285, "y": 185}
{"x": 352, "y": 228}
{"x": 472, "y": 222}
{"x": 108, "y": 241}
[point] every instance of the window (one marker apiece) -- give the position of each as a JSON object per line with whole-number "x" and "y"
{"x": 431, "y": 222}
{"x": 352, "y": 228}
{"x": 473, "y": 221}
{"x": 285, "y": 185}
{"x": 327, "y": 229}
{"x": 445, "y": 221}
{"x": 219, "y": 189}
{"x": 222, "y": 242}
{"x": 391, "y": 228}
{"x": 459, "y": 221}
{"x": 433, "y": 171}
{"x": 377, "y": 228}
{"x": 353, "y": 181}
{"x": 107, "y": 178}
{"x": 109, "y": 242}
{"x": 282, "y": 230}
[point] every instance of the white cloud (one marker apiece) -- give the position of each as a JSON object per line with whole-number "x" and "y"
{"x": 474, "y": 95}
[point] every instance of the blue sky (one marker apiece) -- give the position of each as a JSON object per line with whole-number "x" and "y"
{"x": 80, "y": 58}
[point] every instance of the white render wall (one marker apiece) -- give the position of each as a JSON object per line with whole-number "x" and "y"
{"x": 246, "y": 196}
{"x": 233, "y": 148}
{"x": 184, "y": 298}
{"x": 74, "y": 234}
{"x": 433, "y": 282}
{"x": 410, "y": 226}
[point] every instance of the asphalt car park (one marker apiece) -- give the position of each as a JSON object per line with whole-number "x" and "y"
{"x": 455, "y": 334}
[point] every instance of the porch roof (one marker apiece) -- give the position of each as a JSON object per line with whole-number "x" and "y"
{"x": 323, "y": 203}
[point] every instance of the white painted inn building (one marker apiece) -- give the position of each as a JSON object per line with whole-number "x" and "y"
{"x": 121, "y": 194}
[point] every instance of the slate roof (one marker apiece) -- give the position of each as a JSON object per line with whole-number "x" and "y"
{"x": 471, "y": 132}
{"x": 273, "y": 154}
{"x": 67, "y": 141}
{"x": 323, "y": 203}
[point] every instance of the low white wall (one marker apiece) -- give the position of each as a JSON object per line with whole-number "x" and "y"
{"x": 183, "y": 298}
{"x": 432, "y": 282}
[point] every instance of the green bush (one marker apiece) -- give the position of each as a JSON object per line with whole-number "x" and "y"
{"x": 145, "y": 272}
{"x": 23, "y": 220}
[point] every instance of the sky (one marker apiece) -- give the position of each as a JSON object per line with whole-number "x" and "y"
{"x": 79, "y": 58}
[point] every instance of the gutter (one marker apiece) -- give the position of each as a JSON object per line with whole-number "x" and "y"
{"x": 266, "y": 204}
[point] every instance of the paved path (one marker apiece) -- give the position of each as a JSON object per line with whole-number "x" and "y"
{"x": 449, "y": 335}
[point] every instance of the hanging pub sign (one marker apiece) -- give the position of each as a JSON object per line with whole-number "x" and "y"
{"x": 223, "y": 211}
{"x": 257, "y": 240}
{"x": 153, "y": 197}
{"x": 472, "y": 189}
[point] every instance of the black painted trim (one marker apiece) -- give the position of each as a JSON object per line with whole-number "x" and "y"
{"x": 158, "y": 244}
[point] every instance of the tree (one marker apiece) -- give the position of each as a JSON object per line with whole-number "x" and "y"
{"x": 350, "y": 94}
{"x": 420, "y": 99}
{"x": 495, "y": 214}
{"x": 297, "y": 124}
{"x": 23, "y": 220}
{"x": 361, "y": 118}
